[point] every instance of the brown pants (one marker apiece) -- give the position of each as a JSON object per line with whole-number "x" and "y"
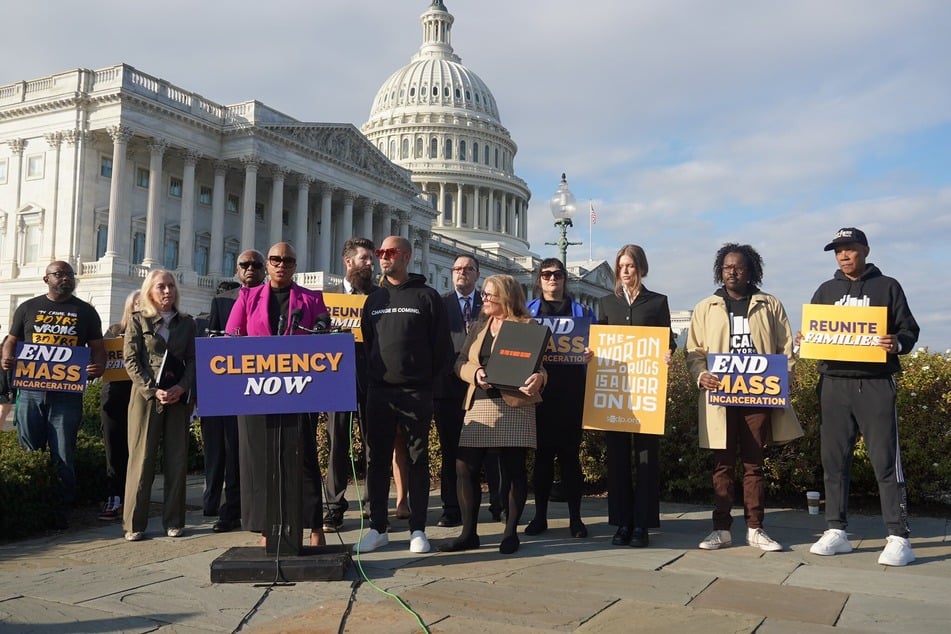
{"x": 747, "y": 429}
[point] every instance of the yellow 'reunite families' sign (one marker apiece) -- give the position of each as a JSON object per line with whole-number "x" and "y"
{"x": 626, "y": 387}
{"x": 345, "y": 312}
{"x": 843, "y": 333}
{"x": 115, "y": 361}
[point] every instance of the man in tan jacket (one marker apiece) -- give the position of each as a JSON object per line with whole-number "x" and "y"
{"x": 739, "y": 319}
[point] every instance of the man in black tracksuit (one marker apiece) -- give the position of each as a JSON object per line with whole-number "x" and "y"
{"x": 859, "y": 397}
{"x": 406, "y": 340}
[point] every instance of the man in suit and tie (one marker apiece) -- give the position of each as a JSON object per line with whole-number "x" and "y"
{"x": 358, "y": 280}
{"x": 463, "y": 305}
{"x": 220, "y": 433}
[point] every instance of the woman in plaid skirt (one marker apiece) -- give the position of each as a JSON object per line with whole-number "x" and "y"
{"x": 496, "y": 419}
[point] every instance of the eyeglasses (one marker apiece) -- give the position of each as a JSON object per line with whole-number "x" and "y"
{"x": 463, "y": 269}
{"x": 257, "y": 266}
{"x": 733, "y": 267}
{"x": 558, "y": 275}
{"x": 275, "y": 260}
{"x": 388, "y": 254}
{"x": 62, "y": 274}
{"x": 489, "y": 297}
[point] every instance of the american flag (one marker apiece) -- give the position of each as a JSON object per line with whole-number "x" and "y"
{"x": 594, "y": 216}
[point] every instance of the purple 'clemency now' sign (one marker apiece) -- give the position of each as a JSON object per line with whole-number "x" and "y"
{"x": 275, "y": 375}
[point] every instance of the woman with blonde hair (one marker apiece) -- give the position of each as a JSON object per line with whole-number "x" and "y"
{"x": 496, "y": 419}
{"x": 159, "y": 355}
{"x": 114, "y": 416}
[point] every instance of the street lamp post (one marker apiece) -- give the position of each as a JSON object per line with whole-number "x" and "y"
{"x": 563, "y": 208}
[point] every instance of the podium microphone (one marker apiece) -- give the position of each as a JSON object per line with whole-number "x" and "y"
{"x": 323, "y": 322}
{"x": 281, "y": 322}
{"x": 295, "y": 320}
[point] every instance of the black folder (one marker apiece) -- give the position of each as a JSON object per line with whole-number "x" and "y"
{"x": 171, "y": 372}
{"x": 517, "y": 354}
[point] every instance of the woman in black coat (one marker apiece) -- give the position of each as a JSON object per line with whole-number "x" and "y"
{"x": 633, "y": 507}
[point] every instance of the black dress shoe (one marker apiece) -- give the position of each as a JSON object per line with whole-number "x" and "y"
{"x": 509, "y": 545}
{"x": 640, "y": 538}
{"x": 458, "y": 545}
{"x": 225, "y": 526}
{"x": 578, "y": 529}
{"x": 622, "y": 537}
{"x": 333, "y": 522}
{"x": 448, "y": 521}
{"x": 536, "y": 527}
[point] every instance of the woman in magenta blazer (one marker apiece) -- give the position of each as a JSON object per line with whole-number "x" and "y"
{"x": 278, "y": 307}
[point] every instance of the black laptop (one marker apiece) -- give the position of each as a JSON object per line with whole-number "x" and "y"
{"x": 517, "y": 354}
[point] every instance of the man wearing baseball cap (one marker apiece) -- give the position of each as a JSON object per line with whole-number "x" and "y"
{"x": 859, "y": 397}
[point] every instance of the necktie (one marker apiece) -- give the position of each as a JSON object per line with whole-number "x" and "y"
{"x": 467, "y": 312}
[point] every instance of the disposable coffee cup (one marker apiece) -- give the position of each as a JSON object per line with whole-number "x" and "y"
{"x": 812, "y": 500}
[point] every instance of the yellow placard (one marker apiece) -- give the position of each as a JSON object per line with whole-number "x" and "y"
{"x": 115, "y": 361}
{"x": 626, "y": 387}
{"x": 843, "y": 333}
{"x": 346, "y": 312}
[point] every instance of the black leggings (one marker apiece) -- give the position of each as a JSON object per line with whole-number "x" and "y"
{"x": 468, "y": 467}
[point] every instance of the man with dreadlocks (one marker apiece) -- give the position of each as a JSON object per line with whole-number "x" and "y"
{"x": 739, "y": 319}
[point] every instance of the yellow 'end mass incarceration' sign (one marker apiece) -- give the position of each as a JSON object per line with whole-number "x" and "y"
{"x": 843, "y": 333}
{"x": 626, "y": 387}
{"x": 346, "y": 312}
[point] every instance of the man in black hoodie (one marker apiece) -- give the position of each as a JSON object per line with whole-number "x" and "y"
{"x": 406, "y": 340}
{"x": 859, "y": 397}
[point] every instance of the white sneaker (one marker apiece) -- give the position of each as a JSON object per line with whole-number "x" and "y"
{"x": 418, "y": 542}
{"x": 372, "y": 540}
{"x": 757, "y": 538}
{"x": 833, "y": 542}
{"x": 716, "y": 540}
{"x": 134, "y": 536}
{"x": 175, "y": 532}
{"x": 897, "y": 552}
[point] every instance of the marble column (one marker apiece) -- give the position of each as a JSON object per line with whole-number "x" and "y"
{"x": 326, "y": 230}
{"x": 117, "y": 211}
{"x": 403, "y": 219}
{"x": 459, "y": 194}
{"x": 442, "y": 205}
{"x": 491, "y": 219}
{"x": 366, "y": 225}
{"x": 249, "y": 200}
{"x": 276, "y": 233}
{"x": 300, "y": 221}
{"x": 344, "y": 225}
{"x": 55, "y": 141}
{"x": 424, "y": 237}
{"x": 216, "y": 253}
{"x": 186, "y": 238}
{"x": 154, "y": 219}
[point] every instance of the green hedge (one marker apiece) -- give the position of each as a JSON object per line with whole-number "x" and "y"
{"x": 924, "y": 406}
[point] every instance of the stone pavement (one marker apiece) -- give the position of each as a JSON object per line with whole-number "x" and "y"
{"x": 94, "y": 581}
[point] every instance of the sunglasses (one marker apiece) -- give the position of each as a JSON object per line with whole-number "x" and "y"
{"x": 558, "y": 275}
{"x": 387, "y": 254}
{"x": 275, "y": 260}
{"x": 257, "y": 266}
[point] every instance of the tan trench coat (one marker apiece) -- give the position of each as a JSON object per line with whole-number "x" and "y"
{"x": 710, "y": 333}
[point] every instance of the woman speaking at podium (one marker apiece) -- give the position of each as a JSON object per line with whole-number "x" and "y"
{"x": 278, "y": 307}
{"x": 495, "y": 418}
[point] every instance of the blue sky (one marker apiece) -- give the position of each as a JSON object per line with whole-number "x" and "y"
{"x": 687, "y": 123}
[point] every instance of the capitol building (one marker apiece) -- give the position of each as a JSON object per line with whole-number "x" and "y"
{"x": 119, "y": 172}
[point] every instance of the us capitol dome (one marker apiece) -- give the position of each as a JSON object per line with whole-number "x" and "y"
{"x": 438, "y": 119}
